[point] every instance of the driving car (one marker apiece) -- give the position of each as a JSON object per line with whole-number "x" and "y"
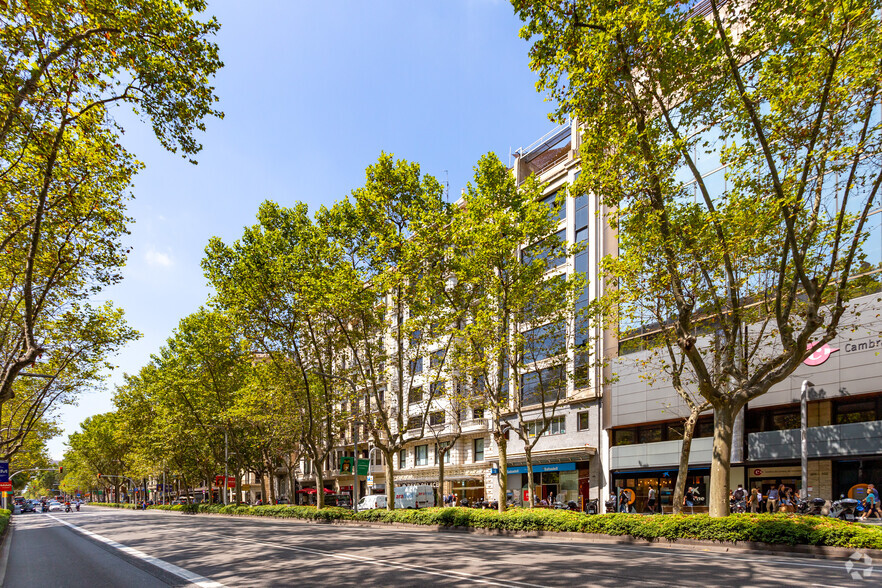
{"x": 55, "y": 506}
{"x": 28, "y": 506}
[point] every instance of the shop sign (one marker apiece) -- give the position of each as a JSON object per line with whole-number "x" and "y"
{"x": 370, "y": 480}
{"x": 4, "y": 471}
{"x": 820, "y": 355}
{"x": 778, "y": 472}
{"x": 757, "y": 472}
{"x": 546, "y": 467}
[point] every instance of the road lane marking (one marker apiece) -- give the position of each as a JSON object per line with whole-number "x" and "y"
{"x": 180, "y": 572}
{"x": 388, "y": 564}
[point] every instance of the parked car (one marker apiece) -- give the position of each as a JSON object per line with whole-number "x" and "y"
{"x": 341, "y": 500}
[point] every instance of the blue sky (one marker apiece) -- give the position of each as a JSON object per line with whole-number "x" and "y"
{"x": 313, "y": 92}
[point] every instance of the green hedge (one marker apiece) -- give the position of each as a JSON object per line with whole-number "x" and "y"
{"x": 4, "y": 519}
{"x": 781, "y": 529}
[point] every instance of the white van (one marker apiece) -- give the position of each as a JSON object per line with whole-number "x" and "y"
{"x": 405, "y": 497}
{"x": 372, "y": 502}
{"x": 422, "y": 496}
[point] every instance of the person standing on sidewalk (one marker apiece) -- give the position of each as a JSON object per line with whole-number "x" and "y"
{"x": 650, "y": 500}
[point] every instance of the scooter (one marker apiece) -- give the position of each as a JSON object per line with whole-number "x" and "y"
{"x": 67, "y": 508}
{"x": 844, "y": 509}
{"x": 810, "y": 506}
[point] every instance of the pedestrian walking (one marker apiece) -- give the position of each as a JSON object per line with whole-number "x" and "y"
{"x": 623, "y": 501}
{"x": 753, "y": 501}
{"x": 650, "y": 500}
{"x": 689, "y": 497}
{"x": 871, "y": 503}
{"x": 772, "y": 502}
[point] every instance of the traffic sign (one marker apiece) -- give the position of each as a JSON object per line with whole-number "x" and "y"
{"x": 370, "y": 480}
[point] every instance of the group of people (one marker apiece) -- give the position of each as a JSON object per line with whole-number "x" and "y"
{"x": 871, "y": 503}
{"x": 778, "y": 498}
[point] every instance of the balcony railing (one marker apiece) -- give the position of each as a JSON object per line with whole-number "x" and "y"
{"x": 825, "y": 441}
{"x": 475, "y": 425}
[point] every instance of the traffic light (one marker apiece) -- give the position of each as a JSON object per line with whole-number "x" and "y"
{"x": 99, "y": 476}
{"x": 61, "y": 469}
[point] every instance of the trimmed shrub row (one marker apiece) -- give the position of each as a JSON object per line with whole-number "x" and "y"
{"x": 779, "y": 529}
{"x": 4, "y": 519}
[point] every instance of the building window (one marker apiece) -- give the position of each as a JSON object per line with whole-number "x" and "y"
{"x": 479, "y": 450}
{"x": 544, "y": 342}
{"x": 651, "y": 434}
{"x": 441, "y": 446}
{"x": 402, "y": 459}
{"x": 549, "y": 249}
{"x": 437, "y": 358}
{"x": 415, "y": 395}
{"x": 583, "y": 421}
{"x": 415, "y": 422}
{"x": 860, "y": 411}
{"x": 437, "y": 388}
{"x": 421, "y": 455}
{"x": 477, "y": 413}
{"x": 545, "y": 385}
{"x": 437, "y": 418}
{"x": 416, "y": 365}
{"x": 556, "y": 426}
{"x": 551, "y": 202}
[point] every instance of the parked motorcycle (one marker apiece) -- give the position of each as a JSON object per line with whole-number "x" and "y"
{"x": 810, "y": 506}
{"x": 737, "y": 506}
{"x": 844, "y": 509}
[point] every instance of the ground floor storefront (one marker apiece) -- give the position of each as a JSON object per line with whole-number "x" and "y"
{"x": 636, "y": 484}
{"x": 552, "y": 482}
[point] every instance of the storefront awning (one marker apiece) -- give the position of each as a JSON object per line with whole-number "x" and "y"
{"x": 573, "y": 454}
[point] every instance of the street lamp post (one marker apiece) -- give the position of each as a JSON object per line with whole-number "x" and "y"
{"x": 803, "y": 433}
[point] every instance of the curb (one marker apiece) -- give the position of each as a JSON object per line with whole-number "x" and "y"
{"x": 799, "y": 551}
{"x": 5, "y": 546}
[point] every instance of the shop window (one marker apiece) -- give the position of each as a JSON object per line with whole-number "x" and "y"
{"x": 584, "y": 420}
{"x": 421, "y": 455}
{"x": 479, "y": 450}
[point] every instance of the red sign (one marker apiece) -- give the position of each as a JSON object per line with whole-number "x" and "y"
{"x": 219, "y": 481}
{"x": 820, "y": 355}
{"x": 5, "y": 486}
{"x": 757, "y": 472}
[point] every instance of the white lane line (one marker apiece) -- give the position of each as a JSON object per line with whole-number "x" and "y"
{"x": 187, "y": 575}
{"x": 388, "y": 564}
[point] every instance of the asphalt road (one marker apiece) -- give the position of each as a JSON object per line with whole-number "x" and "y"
{"x": 158, "y": 549}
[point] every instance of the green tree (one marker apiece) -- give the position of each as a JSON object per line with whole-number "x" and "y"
{"x": 63, "y": 173}
{"x": 99, "y": 447}
{"x": 785, "y": 96}
{"x": 383, "y": 297}
{"x": 521, "y": 313}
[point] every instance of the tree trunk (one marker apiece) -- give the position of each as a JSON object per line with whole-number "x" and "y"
{"x": 724, "y": 420}
{"x": 272, "y": 483}
{"x": 238, "y": 496}
{"x": 390, "y": 482}
{"x": 319, "y": 486}
{"x": 531, "y": 502}
{"x": 502, "y": 444}
{"x": 683, "y": 471}
{"x": 263, "y": 493}
{"x": 441, "y": 474}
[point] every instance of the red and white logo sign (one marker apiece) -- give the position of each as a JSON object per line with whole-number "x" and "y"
{"x": 5, "y": 486}
{"x": 820, "y": 355}
{"x": 757, "y": 472}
